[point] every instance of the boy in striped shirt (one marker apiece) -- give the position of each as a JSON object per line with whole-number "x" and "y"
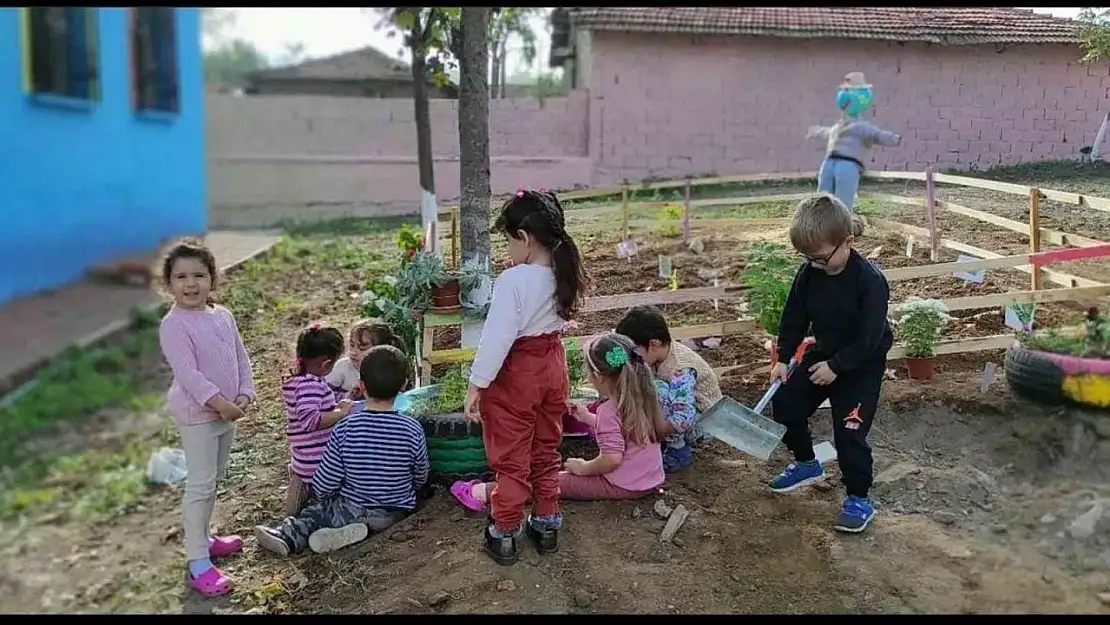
{"x": 374, "y": 464}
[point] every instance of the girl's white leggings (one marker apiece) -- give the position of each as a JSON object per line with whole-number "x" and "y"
{"x": 207, "y": 448}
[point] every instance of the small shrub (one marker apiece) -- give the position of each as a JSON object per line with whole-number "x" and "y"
{"x": 920, "y": 324}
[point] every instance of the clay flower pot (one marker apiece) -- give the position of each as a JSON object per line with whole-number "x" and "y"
{"x": 921, "y": 368}
{"x": 446, "y": 295}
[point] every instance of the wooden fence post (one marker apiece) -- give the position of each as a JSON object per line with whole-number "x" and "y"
{"x": 686, "y": 214}
{"x": 931, "y": 214}
{"x": 1035, "y": 235}
{"x": 624, "y": 212}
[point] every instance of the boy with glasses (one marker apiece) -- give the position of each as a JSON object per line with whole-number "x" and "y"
{"x": 844, "y": 297}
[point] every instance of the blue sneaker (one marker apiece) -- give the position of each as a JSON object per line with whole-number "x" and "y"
{"x": 797, "y": 475}
{"x": 855, "y": 514}
{"x": 677, "y": 458}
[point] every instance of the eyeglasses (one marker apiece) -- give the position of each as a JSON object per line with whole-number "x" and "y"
{"x": 824, "y": 259}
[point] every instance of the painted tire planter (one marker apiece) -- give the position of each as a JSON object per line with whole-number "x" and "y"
{"x": 1052, "y": 378}
{"x": 455, "y": 449}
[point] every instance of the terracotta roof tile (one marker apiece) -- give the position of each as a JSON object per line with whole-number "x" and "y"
{"x": 945, "y": 26}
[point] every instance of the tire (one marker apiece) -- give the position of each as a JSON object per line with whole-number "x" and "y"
{"x": 455, "y": 449}
{"x": 1052, "y": 378}
{"x": 1033, "y": 376}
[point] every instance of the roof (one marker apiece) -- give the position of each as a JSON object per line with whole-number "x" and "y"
{"x": 363, "y": 64}
{"x": 945, "y": 26}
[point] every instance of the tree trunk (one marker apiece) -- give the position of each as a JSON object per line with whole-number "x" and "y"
{"x": 474, "y": 185}
{"x": 428, "y": 206}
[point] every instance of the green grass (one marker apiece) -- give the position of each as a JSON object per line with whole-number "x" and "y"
{"x": 76, "y": 385}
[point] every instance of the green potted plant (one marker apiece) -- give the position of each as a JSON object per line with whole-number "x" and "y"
{"x": 920, "y": 324}
{"x": 424, "y": 283}
{"x": 768, "y": 275}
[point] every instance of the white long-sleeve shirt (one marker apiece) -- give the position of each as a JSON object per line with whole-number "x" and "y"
{"x": 523, "y": 304}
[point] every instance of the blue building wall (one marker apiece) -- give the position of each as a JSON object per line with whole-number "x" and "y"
{"x": 84, "y": 184}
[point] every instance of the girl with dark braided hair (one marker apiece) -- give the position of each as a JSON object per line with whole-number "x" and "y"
{"x": 518, "y": 382}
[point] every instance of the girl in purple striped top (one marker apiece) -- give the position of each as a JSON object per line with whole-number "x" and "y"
{"x": 211, "y": 388}
{"x": 311, "y": 408}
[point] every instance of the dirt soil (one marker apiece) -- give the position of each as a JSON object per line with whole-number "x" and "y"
{"x": 983, "y": 498}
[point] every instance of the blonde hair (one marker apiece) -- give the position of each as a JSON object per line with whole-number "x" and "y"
{"x": 373, "y": 332}
{"x": 821, "y": 219}
{"x": 614, "y": 357}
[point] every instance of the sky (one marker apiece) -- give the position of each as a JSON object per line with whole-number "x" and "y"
{"x": 327, "y": 31}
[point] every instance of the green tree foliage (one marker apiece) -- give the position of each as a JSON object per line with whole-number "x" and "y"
{"x": 1095, "y": 34}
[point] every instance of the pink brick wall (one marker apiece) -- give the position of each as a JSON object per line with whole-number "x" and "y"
{"x": 684, "y": 105}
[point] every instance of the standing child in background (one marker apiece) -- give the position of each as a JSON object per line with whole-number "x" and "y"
{"x": 848, "y": 141}
{"x": 311, "y": 409}
{"x": 518, "y": 382}
{"x": 211, "y": 388}
{"x": 365, "y": 334}
{"x": 685, "y": 383}
{"x": 844, "y": 297}
{"x": 629, "y": 464}
{"x": 373, "y": 469}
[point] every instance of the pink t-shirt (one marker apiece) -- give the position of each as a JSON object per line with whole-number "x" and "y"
{"x": 642, "y": 465}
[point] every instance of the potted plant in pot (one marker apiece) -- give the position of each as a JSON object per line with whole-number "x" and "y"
{"x": 920, "y": 324}
{"x": 424, "y": 283}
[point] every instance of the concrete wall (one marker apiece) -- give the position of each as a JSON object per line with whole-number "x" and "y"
{"x": 660, "y": 106}
{"x": 85, "y": 182}
{"x": 293, "y": 157}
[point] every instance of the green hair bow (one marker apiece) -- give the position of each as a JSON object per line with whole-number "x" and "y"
{"x": 616, "y": 356}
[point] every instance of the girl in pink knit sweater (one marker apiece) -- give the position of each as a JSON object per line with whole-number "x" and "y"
{"x": 211, "y": 388}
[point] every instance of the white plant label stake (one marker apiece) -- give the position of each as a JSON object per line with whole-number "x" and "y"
{"x": 1019, "y": 317}
{"x": 909, "y": 246}
{"x": 975, "y": 277}
{"x": 665, "y": 270}
{"x": 716, "y": 303}
{"x": 989, "y": 372}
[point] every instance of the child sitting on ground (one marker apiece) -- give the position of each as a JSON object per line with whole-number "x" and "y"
{"x": 375, "y": 463}
{"x": 366, "y": 333}
{"x": 311, "y": 409}
{"x": 844, "y": 298}
{"x": 685, "y": 383}
{"x": 629, "y": 464}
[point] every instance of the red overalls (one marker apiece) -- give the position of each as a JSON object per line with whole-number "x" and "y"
{"x": 522, "y": 427}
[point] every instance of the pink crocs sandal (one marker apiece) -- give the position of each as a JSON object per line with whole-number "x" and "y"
{"x": 223, "y": 546}
{"x": 211, "y": 583}
{"x": 461, "y": 490}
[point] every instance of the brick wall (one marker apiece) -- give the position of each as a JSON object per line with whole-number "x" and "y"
{"x": 736, "y": 105}
{"x": 658, "y": 107}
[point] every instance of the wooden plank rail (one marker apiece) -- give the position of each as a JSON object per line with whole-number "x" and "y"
{"x": 721, "y": 328}
{"x": 1042, "y": 258}
{"x": 1055, "y": 237}
{"x": 1057, "y": 277}
{"x": 1038, "y": 296}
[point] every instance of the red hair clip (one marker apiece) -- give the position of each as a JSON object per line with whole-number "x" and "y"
{"x": 316, "y": 326}
{"x": 519, "y": 193}
{"x": 542, "y": 190}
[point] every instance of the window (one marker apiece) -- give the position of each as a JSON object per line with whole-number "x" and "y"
{"x": 60, "y": 50}
{"x": 154, "y": 59}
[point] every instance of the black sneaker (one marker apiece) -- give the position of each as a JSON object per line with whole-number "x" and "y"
{"x": 504, "y": 550}
{"x": 545, "y": 539}
{"x": 271, "y": 540}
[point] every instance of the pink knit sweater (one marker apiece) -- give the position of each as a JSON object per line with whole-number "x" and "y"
{"x": 206, "y": 353}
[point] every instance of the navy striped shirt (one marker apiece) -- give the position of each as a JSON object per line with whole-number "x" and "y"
{"x": 374, "y": 460}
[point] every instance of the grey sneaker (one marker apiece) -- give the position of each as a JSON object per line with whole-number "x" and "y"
{"x": 328, "y": 539}
{"x": 271, "y": 540}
